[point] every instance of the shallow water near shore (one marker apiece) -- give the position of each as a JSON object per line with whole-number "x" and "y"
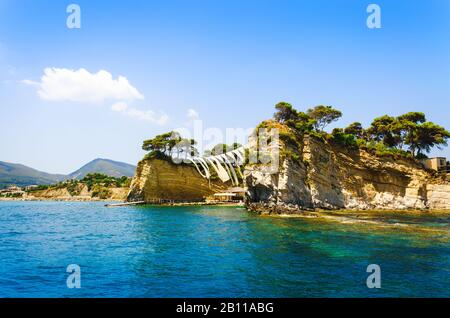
{"x": 150, "y": 251}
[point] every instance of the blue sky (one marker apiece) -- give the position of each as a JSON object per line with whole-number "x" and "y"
{"x": 228, "y": 60}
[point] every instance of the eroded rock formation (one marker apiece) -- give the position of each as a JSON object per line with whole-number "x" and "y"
{"x": 158, "y": 179}
{"x": 329, "y": 177}
{"x": 312, "y": 174}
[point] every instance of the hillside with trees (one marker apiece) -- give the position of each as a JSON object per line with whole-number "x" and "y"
{"x": 93, "y": 185}
{"x": 173, "y": 146}
{"x": 409, "y": 135}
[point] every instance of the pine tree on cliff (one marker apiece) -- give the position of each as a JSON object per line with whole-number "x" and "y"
{"x": 169, "y": 144}
{"x": 411, "y": 130}
{"x": 323, "y": 115}
{"x": 386, "y": 134}
{"x": 288, "y": 115}
{"x": 355, "y": 129}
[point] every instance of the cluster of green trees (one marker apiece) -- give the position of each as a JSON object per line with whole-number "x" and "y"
{"x": 10, "y": 195}
{"x": 100, "y": 179}
{"x": 315, "y": 119}
{"x": 409, "y": 132}
{"x": 221, "y": 149}
{"x": 40, "y": 187}
{"x": 97, "y": 182}
{"x": 170, "y": 144}
{"x": 173, "y": 145}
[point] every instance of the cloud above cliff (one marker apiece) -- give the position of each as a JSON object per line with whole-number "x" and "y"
{"x": 62, "y": 84}
{"x": 82, "y": 86}
{"x": 192, "y": 114}
{"x": 144, "y": 115}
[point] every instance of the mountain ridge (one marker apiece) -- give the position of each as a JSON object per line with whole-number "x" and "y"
{"x": 22, "y": 175}
{"x": 106, "y": 166}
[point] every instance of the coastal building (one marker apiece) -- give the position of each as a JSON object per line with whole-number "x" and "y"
{"x": 238, "y": 191}
{"x": 230, "y": 195}
{"x": 224, "y": 197}
{"x": 12, "y": 191}
{"x": 437, "y": 163}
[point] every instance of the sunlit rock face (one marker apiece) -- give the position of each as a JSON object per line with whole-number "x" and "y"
{"x": 311, "y": 174}
{"x": 326, "y": 176}
{"x": 157, "y": 179}
{"x": 286, "y": 187}
{"x": 438, "y": 196}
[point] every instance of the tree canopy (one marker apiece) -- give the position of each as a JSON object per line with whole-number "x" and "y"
{"x": 384, "y": 129}
{"x": 171, "y": 144}
{"x": 355, "y": 129}
{"x": 285, "y": 112}
{"x": 163, "y": 143}
{"x": 425, "y": 136}
{"x": 222, "y": 148}
{"x": 323, "y": 115}
{"x": 293, "y": 118}
{"x": 408, "y": 132}
{"x": 411, "y": 131}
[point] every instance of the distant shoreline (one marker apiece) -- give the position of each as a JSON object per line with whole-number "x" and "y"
{"x": 61, "y": 199}
{"x": 120, "y": 201}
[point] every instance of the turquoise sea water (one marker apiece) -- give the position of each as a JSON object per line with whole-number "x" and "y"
{"x": 217, "y": 252}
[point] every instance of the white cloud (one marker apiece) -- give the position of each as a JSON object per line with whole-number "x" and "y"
{"x": 192, "y": 114}
{"x": 61, "y": 84}
{"x": 29, "y": 82}
{"x": 119, "y": 107}
{"x": 144, "y": 115}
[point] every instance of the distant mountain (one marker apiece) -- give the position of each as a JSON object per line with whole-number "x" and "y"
{"x": 104, "y": 166}
{"x": 20, "y": 175}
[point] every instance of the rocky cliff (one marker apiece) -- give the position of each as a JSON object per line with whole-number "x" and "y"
{"x": 82, "y": 194}
{"x": 325, "y": 176}
{"x": 157, "y": 179}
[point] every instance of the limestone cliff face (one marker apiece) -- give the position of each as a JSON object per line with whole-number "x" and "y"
{"x": 438, "y": 196}
{"x": 160, "y": 179}
{"x": 329, "y": 177}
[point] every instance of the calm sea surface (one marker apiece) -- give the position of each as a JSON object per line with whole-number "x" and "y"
{"x": 217, "y": 252}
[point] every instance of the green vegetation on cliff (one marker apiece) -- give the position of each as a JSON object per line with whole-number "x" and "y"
{"x": 169, "y": 145}
{"x": 172, "y": 145}
{"x": 98, "y": 184}
{"x": 221, "y": 149}
{"x": 409, "y": 135}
